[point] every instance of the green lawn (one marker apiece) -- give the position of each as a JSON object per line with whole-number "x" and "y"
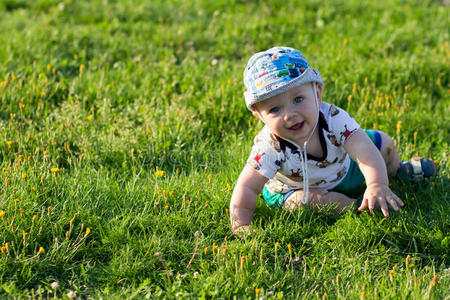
{"x": 123, "y": 129}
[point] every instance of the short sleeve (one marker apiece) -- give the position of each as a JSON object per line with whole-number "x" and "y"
{"x": 264, "y": 157}
{"x": 341, "y": 123}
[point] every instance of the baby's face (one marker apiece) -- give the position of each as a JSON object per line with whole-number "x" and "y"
{"x": 292, "y": 114}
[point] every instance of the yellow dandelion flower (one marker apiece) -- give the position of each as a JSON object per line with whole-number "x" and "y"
{"x": 276, "y": 245}
{"x": 205, "y": 250}
{"x": 42, "y": 178}
{"x": 3, "y": 249}
{"x": 2, "y": 214}
{"x": 88, "y": 230}
{"x": 45, "y": 152}
{"x": 257, "y": 291}
{"x": 43, "y": 93}
{"x": 159, "y": 173}
{"x": 21, "y": 211}
{"x": 227, "y": 211}
{"x": 41, "y": 250}
{"x": 178, "y": 171}
{"x": 90, "y": 117}
{"x": 224, "y": 249}
{"x": 289, "y": 246}
{"x": 81, "y": 67}
{"x": 228, "y": 187}
{"x": 16, "y": 201}
{"x": 6, "y": 246}
{"x": 21, "y": 106}
{"x": 34, "y": 218}
{"x": 171, "y": 193}
{"x": 7, "y": 181}
{"x": 24, "y": 234}
{"x": 407, "y": 260}
{"x": 49, "y": 66}
{"x": 55, "y": 170}
{"x": 166, "y": 207}
{"x": 214, "y": 248}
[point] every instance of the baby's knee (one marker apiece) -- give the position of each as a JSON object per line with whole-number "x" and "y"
{"x": 389, "y": 153}
{"x": 386, "y": 140}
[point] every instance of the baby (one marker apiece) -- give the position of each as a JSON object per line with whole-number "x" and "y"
{"x": 310, "y": 151}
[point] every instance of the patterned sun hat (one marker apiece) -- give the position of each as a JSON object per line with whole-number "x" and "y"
{"x": 275, "y": 71}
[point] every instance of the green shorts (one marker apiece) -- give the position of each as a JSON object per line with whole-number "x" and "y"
{"x": 352, "y": 185}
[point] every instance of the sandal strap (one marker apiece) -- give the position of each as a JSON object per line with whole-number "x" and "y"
{"x": 417, "y": 173}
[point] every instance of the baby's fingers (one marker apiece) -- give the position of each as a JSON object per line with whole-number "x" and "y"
{"x": 383, "y": 206}
{"x": 398, "y": 200}
{"x": 367, "y": 203}
{"x": 394, "y": 201}
{"x": 364, "y": 204}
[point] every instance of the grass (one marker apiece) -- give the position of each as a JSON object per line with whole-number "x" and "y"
{"x": 123, "y": 130}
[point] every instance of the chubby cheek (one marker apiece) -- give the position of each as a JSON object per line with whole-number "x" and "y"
{"x": 277, "y": 124}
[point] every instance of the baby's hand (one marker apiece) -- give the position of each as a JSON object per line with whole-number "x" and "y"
{"x": 381, "y": 194}
{"x": 242, "y": 231}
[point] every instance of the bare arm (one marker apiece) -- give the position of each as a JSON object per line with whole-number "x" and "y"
{"x": 372, "y": 165}
{"x": 369, "y": 159}
{"x": 244, "y": 198}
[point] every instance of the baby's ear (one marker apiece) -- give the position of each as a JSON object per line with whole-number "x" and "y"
{"x": 319, "y": 89}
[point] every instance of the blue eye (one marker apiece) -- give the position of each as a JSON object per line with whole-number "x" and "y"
{"x": 298, "y": 99}
{"x": 274, "y": 110}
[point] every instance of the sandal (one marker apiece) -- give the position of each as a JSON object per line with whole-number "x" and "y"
{"x": 416, "y": 169}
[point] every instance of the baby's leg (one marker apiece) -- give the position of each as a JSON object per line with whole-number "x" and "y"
{"x": 319, "y": 197}
{"x": 390, "y": 154}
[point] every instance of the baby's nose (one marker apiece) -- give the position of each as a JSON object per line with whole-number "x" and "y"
{"x": 290, "y": 113}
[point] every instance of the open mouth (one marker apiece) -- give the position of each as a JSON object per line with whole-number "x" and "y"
{"x": 297, "y": 126}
